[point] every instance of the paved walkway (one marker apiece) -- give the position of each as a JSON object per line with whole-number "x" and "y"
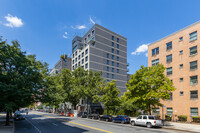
{"x": 183, "y": 126}
{"x": 3, "y": 128}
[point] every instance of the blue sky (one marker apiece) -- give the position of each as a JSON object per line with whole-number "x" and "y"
{"x": 46, "y": 27}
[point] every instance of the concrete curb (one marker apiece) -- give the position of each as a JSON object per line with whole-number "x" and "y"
{"x": 179, "y": 130}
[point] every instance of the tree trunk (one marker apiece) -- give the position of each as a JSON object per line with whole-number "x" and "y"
{"x": 7, "y": 119}
{"x": 149, "y": 109}
{"x": 87, "y": 107}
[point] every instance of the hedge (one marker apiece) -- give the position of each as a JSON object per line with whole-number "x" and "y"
{"x": 182, "y": 118}
{"x": 196, "y": 119}
{"x": 168, "y": 118}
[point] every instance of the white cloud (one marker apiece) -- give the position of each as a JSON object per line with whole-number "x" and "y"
{"x": 65, "y": 35}
{"x": 13, "y": 21}
{"x": 141, "y": 49}
{"x": 91, "y": 20}
{"x": 146, "y": 54}
{"x": 79, "y": 27}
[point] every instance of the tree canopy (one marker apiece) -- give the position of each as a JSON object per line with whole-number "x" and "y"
{"x": 147, "y": 87}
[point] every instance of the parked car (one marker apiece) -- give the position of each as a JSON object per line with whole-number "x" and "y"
{"x": 19, "y": 117}
{"x": 121, "y": 118}
{"x": 147, "y": 120}
{"x": 93, "y": 116}
{"x": 82, "y": 114}
{"x": 106, "y": 118}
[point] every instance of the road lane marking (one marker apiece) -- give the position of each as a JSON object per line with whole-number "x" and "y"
{"x": 34, "y": 126}
{"x": 76, "y": 123}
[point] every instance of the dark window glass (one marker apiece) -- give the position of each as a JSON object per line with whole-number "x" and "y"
{"x": 155, "y": 51}
{"x": 194, "y": 94}
{"x": 169, "y": 45}
{"x": 193, "y": 50}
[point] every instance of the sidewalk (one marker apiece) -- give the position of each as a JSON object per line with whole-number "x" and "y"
{"x": 182, "y": 126}
{"x": 6, "y": 129}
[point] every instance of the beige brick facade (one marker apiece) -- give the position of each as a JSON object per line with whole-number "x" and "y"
{"x": 181, "y": 104}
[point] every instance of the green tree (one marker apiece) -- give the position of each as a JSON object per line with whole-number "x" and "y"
{"x": 147, "y": 87}
{"x": 111, "y": 97}
{"x": 53, "y": 92}
{"x": 20, "y": 78}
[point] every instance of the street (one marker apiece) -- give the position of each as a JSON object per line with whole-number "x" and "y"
{"x": 38, "y": 122}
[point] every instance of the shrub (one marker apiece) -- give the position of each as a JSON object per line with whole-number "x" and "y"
{"x": 196, "y": 119}
{"x": 168, "y": 117}
{"x": 182, "y": 118}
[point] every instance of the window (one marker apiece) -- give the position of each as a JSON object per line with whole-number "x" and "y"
{"x": 181, "y": 52}
{"x": 117, "y": 58}
{"x": 155, "y": 51}
{"x": 117, "y": 45}
{"x": 117, "y": 39}
{"x": 193, "y": 65}
{"x": 117, "y": 70}
{"x": 112, "y": 50}
{"x": 73, "y": 61}
{"x": 169, "y": 111}
{"x": 117, "y": 64}
{"x": 193, "y": 36}
{"x": 86, "y": 51}
{"x": 112, "y": 37}
{"x": 193, "y": 80}
{"x": 180, "y": 39}
{"x": 73, "y": 68}
{"x": 194, "y": 94}
{"x": 169, "y": 71}
{"x": 108, "y": 80}
{"x": 113, "y": 63}
{"x": 181, "y": 79}
{"x": 73, "y": 55}
{"x": 193, "y": 50}
{"x": 86, "y": 66}
{"x": 194, "y": 112}
{"x": 117, "y": 51}
{"x": 113, "y": 70}
{"x": 139, "y": 117}
{"x": 113, "y": 57}
{"x": 82, "y": 61}
{"x": 113, "y": 44}
{"x": 155, "y": 62}
{"x": 86, "y": 58}
{"x": 107, "y": 68}
{"x": 155, "y": 111}
{"x": 76, "y": 53}
{"x": 108, "y": 75}
{"x": 169, "y": 58}
{"x": 181, "y": 66}
{"x": 181, "y": 93}
{"x": 107, "y": 55}
{"x": 85, "y": 40}
{"x": 88, "y": 35}
{"x": 76, "y": 66}
{"x": 79, "y": 57}
{"x": 113, "y": 76}
{"x": 144, "y": 117}
{"x": 108, "y": 62}
{"x": 83, "y": 54}
{"x": 79, "y": 63}
{"x": 93, "y": 32}
{"x": 169, "y": 46}
{"x": 171, "y": 97}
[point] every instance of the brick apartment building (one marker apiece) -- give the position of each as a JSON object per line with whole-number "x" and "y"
{"x": 179, "y": 53}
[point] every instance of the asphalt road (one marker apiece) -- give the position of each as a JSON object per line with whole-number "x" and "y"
{"x": 37, "y": 122}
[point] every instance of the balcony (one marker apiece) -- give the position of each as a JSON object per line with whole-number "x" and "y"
{"x": 91, "y": 40}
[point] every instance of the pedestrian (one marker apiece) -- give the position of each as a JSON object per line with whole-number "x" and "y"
{"x": 27, "y": 112}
